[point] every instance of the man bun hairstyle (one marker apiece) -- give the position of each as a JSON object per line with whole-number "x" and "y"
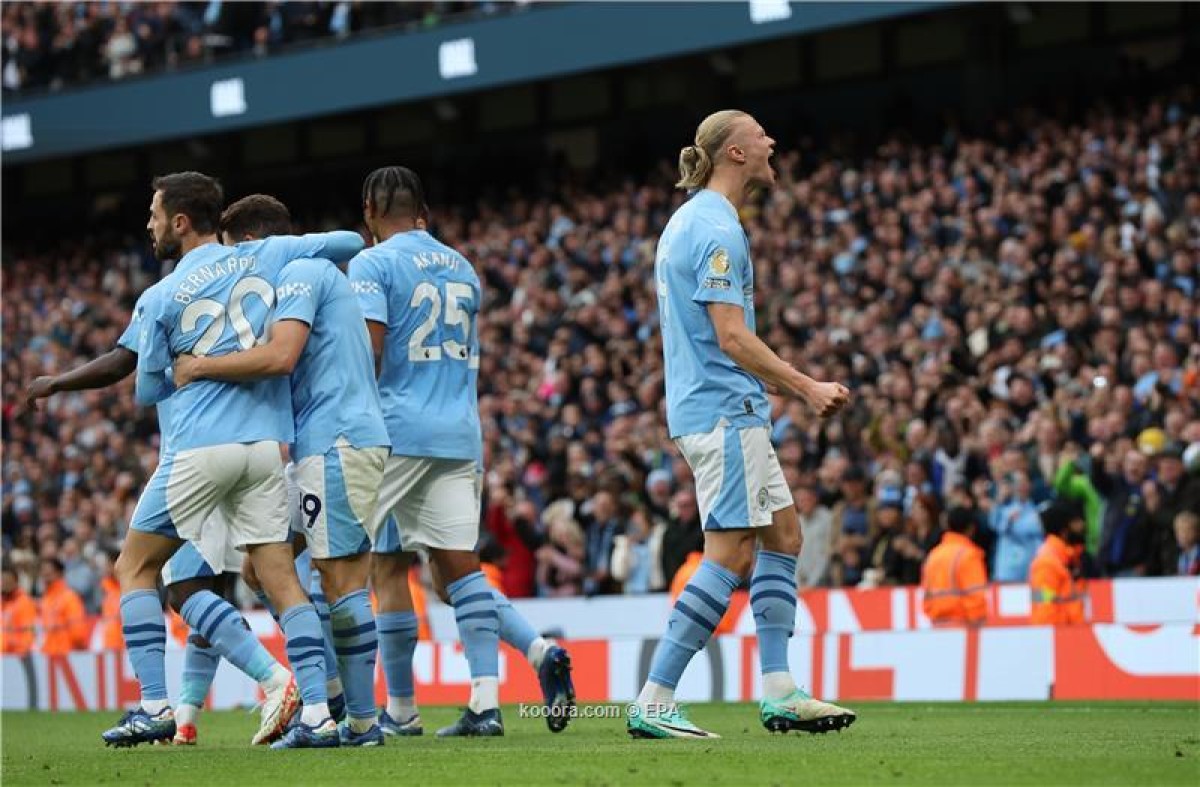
{"x": 696, "y": 161}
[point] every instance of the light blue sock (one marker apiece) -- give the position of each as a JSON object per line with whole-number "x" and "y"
{"x": 397, "y": 642}
{"x": 773, "y": 601}
{"x": 697, "y": 612}
{"x": 478, "y": 623}
{"x": 199, "y": 669}
{"x": 514, "y": 629}
{"x": 215, "y": 619}
{"x": 355, "y": 641}
{"x": 261, "y": 595}
{"x": 322, "y": 606}
{"x": 146, "y": 641}
{"x": 306, "y": 651}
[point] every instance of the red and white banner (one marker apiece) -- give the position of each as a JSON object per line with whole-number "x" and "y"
{"x": 851, "y": 645}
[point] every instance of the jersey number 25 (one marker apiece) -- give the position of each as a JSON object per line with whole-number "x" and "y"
{"x": 457, "y": 293}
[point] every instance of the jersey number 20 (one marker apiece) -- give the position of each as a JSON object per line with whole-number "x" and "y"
{"x": 456, "y": 293}
{"x": 207, "y": 307}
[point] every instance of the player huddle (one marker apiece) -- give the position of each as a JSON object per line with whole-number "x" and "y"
{"x": 257, "y": 343}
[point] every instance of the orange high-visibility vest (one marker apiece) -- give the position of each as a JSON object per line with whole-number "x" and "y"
{"x": 64, "y": 621}
{"x": 1057, "y": 595}
{"x": 954, "y": 579}
{"x": 20, "y": 616}
{"x": 111, "y": 637}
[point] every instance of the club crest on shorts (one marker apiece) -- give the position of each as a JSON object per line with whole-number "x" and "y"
{"x": 763, "y": 498}
{"x": 719, "y": 262}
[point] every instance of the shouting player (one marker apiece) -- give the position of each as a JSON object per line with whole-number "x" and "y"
{"x": 717, "y": 375}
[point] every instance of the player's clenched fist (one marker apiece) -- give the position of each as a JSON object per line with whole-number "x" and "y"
{"x": 827, "y": 398}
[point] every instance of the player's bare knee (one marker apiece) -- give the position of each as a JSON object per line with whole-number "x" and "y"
{"x": 784, "y": 543}
{"x": 249, "y": 575}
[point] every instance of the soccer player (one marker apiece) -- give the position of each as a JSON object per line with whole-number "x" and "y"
{"x": 204, "y": 566}
{"x": 420, "y": 299}
{"x": 320, "y": 339}
{"x": 398, "y": 631}
{"x": 224, "y": 447}
{"x": 717, "y": 375}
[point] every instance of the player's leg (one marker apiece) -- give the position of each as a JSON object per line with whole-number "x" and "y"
{"x": 339, "y": 494}
{"x": 447, "y": 523}
{"x": 301, "y": 513}
{"x": 174, "y": 504}
{"x": 200, "y": 659}
{"x": 201, "y": 595}
{"x": 397, "y": 628}
{"x": 258, "y": 518}
{"x": 333, "y": 677}
{"x": 718, "y": 464}
{"x": 549, "y": 660}
{"x": 396, "y": 621}
{"x": 696, "y": 614}
{"x": 145, "y": 633}
{"x": 784, "y": 705}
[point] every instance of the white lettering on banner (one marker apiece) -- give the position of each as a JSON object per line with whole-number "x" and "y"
{"x": 16, "y": 132}
{"x": 1156, "y": 600}
{"x": 457, "y": 58}
{"x": 842, "y": 616}
{"x": 1169, "y": 650}
{"x": 227, "y": 97}
{"x": 764, "y": 11}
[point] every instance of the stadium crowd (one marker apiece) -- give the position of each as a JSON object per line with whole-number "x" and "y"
{"x": 53, "y": 45}
{"x": 1016, "y": 317}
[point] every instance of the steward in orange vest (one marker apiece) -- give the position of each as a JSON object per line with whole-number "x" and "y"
{"x": 20, "y": 616}
{"x": 1054, "y": 576}
{"x": 64, "y": 620}
{"x": 954, "y": 576}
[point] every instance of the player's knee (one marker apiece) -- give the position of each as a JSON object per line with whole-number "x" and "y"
{"x": 786, "y": 543}
{"x": 128, "y": 568}
{"x": 250, "y": 578}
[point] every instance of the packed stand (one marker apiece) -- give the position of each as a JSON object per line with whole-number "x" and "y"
{"x": 54, "y": 45}
{"x": 1016, "y": 318}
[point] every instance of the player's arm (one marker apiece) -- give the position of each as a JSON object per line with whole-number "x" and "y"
{"x": 338, "y": 246}
{"x": 112, "y": 367}
{"x": 275, "y": 358}
{"x": 378, "y": 332}
{"x": 752, "y": 354}
{"x": 369, "y": 282}
{"x": 153, "y": 384}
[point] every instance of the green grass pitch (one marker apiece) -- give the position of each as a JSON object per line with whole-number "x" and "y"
{"x": 1138, "y": 744}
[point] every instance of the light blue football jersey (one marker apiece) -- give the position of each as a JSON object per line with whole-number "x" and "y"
{"x": 428, "y": 296}
{"x": 219, "y": 300}
{"x": 333, "y": 385}
{"x": 704, "y": 257}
